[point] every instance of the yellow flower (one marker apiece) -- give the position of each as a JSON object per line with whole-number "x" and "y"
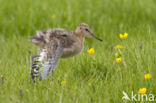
{"x": 91, "y": 51}
{"x": 119, "y": 46}
{"x": 147, "y": 76}
{"x": 142, "y": 90}
{"x": 53, "y": 16}
{"x": 124, "y": 36}
{"x": 116, "y": 54}
{"x": 63, "y": 82}
{"x": 118, "y": 60}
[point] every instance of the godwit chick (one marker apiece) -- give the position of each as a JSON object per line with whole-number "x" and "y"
{"x": 56, "y": 43}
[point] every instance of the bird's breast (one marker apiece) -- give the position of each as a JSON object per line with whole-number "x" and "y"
{"x": 72, "y": 51}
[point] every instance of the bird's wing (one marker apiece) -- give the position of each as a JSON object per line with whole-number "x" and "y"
{"x": 54, "y": 51}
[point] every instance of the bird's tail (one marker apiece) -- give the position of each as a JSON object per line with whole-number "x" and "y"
{"x": 39, "y": 39}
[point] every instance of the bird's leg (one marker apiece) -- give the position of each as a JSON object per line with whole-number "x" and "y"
{"x": 33, "y": 66}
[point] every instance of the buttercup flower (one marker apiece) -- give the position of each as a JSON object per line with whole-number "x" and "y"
{"x": 91, "y": 51}
{"x": 124, "y": 36}
{"x": 147, "y": 76}
{"x": 142, "y": 90}
{"x": 119, "y": 46}
{"x": 118, "y": 60}
{"x": 63, "y": 82}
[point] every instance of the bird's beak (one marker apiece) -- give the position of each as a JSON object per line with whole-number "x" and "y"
{"x": 96, "y": 37}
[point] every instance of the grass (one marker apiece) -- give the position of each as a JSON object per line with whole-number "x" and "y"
{"x": 93, "y": 78}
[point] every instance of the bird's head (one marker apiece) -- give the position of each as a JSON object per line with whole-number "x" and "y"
{"x": 84, "y": 30}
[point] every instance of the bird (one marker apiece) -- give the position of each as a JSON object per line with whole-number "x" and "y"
{"x": 57, "y": 43}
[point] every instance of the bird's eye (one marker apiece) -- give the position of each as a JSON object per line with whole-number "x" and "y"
{"x": 64, "y": 35}
{"x": 86, "y": 29}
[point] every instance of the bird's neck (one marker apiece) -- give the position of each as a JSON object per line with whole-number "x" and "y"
{"x": 80, "y": 37}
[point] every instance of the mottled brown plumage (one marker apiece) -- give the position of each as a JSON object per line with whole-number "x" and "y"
{"x": 56, "y": 43}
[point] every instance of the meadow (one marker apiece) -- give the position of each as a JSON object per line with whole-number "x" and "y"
{"x": 88, "y": 78}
